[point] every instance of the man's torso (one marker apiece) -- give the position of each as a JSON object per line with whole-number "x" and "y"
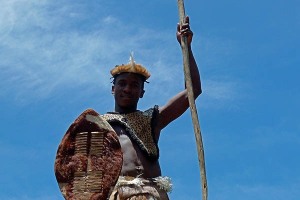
{"x": 135, "y": 162}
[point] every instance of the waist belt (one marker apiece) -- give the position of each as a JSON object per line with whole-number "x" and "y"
{"x": 163, "y": 182}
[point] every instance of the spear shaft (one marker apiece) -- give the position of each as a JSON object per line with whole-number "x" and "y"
{"x": 195, "y": 120}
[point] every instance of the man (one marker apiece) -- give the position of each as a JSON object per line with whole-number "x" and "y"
{"x": 139, "y": 131}
{"x": 115, "y": 156}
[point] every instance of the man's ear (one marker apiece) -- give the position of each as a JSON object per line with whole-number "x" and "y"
{"x": 142, "y": 93}
{"x": 113, "y": 89}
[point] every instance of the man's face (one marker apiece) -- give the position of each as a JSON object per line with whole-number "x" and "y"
{"x": 128, "y": 88}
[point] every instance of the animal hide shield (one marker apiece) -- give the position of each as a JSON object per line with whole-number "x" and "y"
{"x": 89, "y": 158}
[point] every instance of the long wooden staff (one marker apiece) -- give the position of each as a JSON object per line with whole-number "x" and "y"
{"x": 193, "y": 108}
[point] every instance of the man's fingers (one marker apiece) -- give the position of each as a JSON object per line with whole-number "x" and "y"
{"x": 187, "y": 19}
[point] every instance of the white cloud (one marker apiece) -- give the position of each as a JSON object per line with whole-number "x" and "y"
{"x": 42, "y": 55}
{"x": 47, "y": 49}
{"x": 222, "y": 92}
{"x": 110, "y": 20}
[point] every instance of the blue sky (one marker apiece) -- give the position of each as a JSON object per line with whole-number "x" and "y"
{"x": 55, "y": 58}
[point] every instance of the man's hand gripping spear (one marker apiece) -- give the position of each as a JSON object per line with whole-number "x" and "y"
{"x": 185, "y": 42}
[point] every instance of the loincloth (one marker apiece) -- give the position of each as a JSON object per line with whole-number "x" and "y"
{"x": 130, "y": 188}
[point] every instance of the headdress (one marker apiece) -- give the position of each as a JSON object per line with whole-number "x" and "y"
{"x": 131, "y": 67}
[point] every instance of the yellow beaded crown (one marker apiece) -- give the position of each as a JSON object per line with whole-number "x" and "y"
{"x": 131, "y": 67}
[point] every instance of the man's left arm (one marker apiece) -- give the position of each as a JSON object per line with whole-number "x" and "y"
{"x": 177, "y": 105}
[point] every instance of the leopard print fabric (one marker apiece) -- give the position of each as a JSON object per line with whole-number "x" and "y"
{"x": 139, "y": 126}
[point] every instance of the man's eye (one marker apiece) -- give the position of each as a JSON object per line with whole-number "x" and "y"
{"x": 135, "y": 85}
{"x": 121, "y": 83}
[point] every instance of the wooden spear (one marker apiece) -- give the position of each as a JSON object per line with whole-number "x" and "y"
{"x": 189, "y": 86}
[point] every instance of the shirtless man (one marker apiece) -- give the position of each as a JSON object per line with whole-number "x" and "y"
{"x": 120, "y": 147}
{"x": 142, "y": 160}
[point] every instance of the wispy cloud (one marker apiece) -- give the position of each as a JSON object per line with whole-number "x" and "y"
{"x": 49, "y": 47}
{"x": 43, "y": 53}
{"x": 222, "y": 92}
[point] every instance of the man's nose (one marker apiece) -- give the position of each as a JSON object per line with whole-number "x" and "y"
{"x": 127, "y": 88}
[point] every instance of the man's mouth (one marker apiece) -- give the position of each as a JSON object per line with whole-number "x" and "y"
{"x": 126, "y": 97}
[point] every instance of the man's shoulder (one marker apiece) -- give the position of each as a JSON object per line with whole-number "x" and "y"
{"x": 151, "y": 111}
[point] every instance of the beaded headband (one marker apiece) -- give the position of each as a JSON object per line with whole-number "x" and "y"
{"x": 131, "y": 67}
